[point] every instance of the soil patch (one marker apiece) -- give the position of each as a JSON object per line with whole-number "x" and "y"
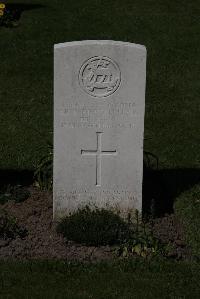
{"x": 42, "y": 241}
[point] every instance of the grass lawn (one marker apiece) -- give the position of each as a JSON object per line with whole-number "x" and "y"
{"x": 125, "y": 279}
{"x": 187, "y": 208}
{"x": 170, "y": 31}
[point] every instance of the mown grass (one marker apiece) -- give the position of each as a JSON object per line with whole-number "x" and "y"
{"x": 169, "y": 31}
{"x": 187, "y": 208}
{"x": 125, "y": 279}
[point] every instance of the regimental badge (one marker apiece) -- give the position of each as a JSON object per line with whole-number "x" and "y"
{"x": 100, "y": 76}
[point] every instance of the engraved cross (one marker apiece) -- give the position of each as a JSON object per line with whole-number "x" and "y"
{"x": 98, "y": 153}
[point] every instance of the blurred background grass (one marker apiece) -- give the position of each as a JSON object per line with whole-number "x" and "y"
{"x": 169, "y": 30}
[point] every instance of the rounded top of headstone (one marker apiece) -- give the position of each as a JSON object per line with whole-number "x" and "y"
{"x": 99, "y": 42}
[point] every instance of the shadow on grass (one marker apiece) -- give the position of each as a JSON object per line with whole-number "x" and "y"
{"x": 23, "y": 6}
{"x": 161, "y": 187}
{"x": 15, "y": 177}
{"x": 16, "y": 9}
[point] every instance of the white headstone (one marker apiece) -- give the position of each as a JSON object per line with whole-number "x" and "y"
{"x": 99, "y": 102}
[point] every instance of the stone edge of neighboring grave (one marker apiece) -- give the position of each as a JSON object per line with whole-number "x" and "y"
{"x": 99, "y": 42}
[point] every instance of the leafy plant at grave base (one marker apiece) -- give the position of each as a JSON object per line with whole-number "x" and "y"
{"x": 141, "y": 241}
{"x": 43, "y": 175}
{"x": 151, "y": 164}
{"x": 8, "y": 16}
{"x": 148, "y": 162}
{"x": 17, "y": 193}
{"x": 9, "y": 229}
{"x": 94, "y": 227}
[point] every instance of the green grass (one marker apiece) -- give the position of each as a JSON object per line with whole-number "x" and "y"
{"x": 187, "y": 208}
{"x": 125, "y": 279}
{"x": 169, "y": 30}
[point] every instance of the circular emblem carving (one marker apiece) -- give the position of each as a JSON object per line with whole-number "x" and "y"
{"x": 100, "y": 76}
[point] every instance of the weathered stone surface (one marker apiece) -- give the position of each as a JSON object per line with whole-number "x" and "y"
{"x": 99, "y": 101}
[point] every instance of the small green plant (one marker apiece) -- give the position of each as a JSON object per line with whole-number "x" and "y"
{"x": 150, "y": 160}
{"x": 44, "y": 172}
{"x": 9, "y": 229}
{"x": 17, "y": 193}
{"x": 93, "y": 227}
{"x": 141, "y": 241}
